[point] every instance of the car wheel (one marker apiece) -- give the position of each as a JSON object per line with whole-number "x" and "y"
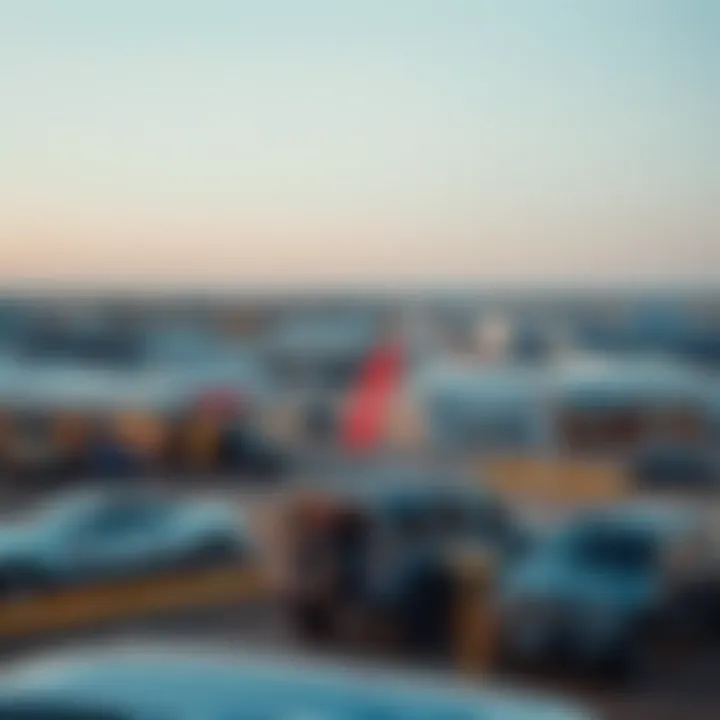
{"x": 425, "y": 609}
{"x": 313, "y": 621}
{"x": 639, "y": 659}
{"x": 698, "y": 612}
{"x": 713, "y": 603}
{"x": 507, "y": 660}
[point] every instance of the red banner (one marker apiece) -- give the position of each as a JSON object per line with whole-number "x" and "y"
{"x": 368, "y": 404}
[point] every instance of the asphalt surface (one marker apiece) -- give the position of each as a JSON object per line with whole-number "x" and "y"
{"x": 692, "y": 693}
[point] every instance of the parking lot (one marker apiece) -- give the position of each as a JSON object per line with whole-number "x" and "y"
{"x": 688, "y": 692}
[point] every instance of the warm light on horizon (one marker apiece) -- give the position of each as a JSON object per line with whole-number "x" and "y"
{"x": 220, "y": 142}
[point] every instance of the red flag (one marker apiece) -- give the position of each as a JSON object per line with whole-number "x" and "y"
{"x": 368, "y": 404}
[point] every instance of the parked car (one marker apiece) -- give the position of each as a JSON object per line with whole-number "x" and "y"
{"x": 381, "y": 544}
{"x": 612, "y": 590}
{"x": 95, "y": 534}
{"x": 177, "y": 683}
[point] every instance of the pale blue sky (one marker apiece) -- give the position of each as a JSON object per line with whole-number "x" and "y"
{"x": 306, "y": 139}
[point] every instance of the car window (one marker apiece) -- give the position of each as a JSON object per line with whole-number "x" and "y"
{"x": 123, "y": 517}
{"x": 615, "y": 549}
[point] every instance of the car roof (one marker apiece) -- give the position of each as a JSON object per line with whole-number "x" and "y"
{"x": 188, "y": 683}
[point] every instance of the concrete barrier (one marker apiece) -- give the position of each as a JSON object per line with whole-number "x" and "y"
{"x": 122, "y": 600}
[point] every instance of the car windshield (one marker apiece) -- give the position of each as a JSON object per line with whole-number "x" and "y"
{"x": 607, "y": 547}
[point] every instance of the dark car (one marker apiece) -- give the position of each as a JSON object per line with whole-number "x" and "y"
{"x": 613, "y": 590}
{"x": 381, "y": 546}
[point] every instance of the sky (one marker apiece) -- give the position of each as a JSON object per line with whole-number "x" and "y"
{"x": 222, "y": 142}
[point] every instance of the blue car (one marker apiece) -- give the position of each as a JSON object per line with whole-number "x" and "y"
{"x": 97, "y": 534}
{"x": 178, "y": 684}
{"x": 612, "y": 589}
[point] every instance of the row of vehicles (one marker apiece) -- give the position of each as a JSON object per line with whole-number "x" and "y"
{"x": 595, "y": 405}
{"x": 80, "y": 539}
{"x": 51, "y": 449}
{"x": 656, "y": 418}
{"x": 606, "y": 589}
{"x": 173, "y": 397}
{"x": 374, "y": 550}
{"x": 153, "y": 397}
{"x": 60, "y": 420}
